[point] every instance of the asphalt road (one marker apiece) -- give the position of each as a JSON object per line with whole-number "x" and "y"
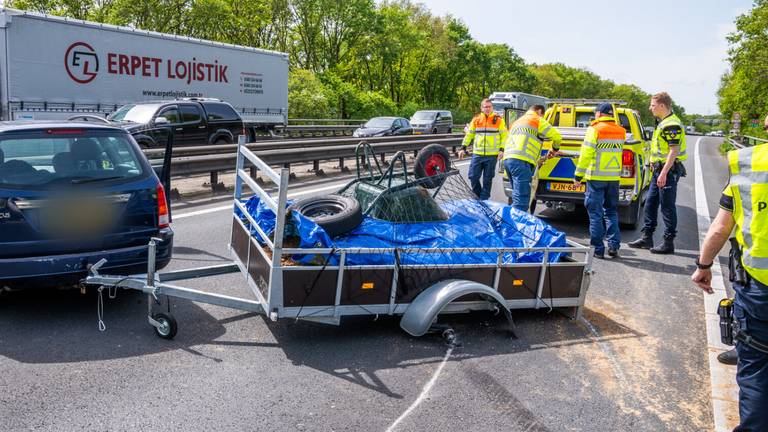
{"x": 637, "y": 361}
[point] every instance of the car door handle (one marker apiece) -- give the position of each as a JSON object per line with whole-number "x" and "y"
{"x": 201, "y": 127}
{"x": 179, "y": 129}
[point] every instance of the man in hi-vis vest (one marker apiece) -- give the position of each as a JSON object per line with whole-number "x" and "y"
{"x": 667, "y": 156}
{"x": 600, "y": 165}
{"x": 744, "y": 206}
{"x": 522, "y": 152}
{"x": 487, "y": 133}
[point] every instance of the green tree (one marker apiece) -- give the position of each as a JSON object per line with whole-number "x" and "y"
{"x": 744, "y": 88}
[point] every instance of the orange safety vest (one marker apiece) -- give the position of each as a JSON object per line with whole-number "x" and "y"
{"x": 488, "y": 133}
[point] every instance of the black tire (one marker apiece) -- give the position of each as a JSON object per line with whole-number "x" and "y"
{"x": 630, "y": 215}
{"x": 221, "y": 141}
{"x": 432, "y": 160}
{"x": 170, "y": 328}
{"x": 336, "y": 214}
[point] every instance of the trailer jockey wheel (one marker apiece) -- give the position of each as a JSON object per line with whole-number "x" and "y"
{"x": 167, "y": 325}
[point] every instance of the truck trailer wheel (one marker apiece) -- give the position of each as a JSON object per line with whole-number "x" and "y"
{"x": 336, "y": 214}
{"x": 432, "y": 160}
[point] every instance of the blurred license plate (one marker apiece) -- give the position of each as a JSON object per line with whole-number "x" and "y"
{"x": 566, "y": 187}
{"x": 77, "y": 217}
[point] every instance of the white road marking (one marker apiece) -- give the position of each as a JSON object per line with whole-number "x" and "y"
{"x": 722, "y": 377}
{"x": 290, "y": 194}
{"x": 424, "y": 391}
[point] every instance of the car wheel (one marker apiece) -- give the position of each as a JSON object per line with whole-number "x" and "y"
{"x": 432, "y": 160}
{"x": 221, "y": 141}
{"x": 335, "y": 214}
{"x": 629, "y": 216}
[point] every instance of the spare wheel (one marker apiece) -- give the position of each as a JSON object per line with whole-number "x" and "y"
{"x": 336, "y": 214}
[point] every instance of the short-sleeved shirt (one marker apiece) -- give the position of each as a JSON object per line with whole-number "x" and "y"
{"x": 672, "y": 134}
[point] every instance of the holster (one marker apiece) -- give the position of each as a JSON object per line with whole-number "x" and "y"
{"x": 736, "y": 271}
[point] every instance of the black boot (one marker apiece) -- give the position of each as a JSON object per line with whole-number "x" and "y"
{"x": 644, "y": 242}
{"x": 666, "y": 248}
{"x": 730, "y": 357}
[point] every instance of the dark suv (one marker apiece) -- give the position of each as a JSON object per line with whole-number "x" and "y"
{"x": 194, "y": 122}
{"x": 72, "y": 194}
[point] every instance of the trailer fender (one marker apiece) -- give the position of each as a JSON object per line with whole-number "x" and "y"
{"x": 425, "y": 308}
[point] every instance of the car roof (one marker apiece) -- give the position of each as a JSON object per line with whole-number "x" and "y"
{"x": 22, "y": 125}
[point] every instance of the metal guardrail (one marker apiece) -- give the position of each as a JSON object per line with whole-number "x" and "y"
{"x": 325, "y": 121}
{"x": 194, "y": 161}
{"x": 289, "y": 144}
{"x": 745, "y": 141}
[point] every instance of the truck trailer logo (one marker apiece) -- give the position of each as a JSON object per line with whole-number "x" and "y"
{"x": 81, "y": 62}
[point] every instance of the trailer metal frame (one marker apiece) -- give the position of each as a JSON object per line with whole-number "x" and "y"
{"x": 258, "y": 257}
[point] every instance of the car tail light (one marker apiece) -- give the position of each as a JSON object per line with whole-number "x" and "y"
{"x": 162, "y": 208}
{"x": 628, "y": 163}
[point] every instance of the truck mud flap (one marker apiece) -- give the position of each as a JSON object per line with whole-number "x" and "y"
{"x": 425, "y": 308}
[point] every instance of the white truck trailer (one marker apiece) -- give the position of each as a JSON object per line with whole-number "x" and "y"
{"x": 511, "y": 105}
{"x": 54, "y": 68}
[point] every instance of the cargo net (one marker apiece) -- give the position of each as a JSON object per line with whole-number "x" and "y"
{"x": 435, "y": 224}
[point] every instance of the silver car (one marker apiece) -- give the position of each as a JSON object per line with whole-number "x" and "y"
{"x": 432, "y": 122}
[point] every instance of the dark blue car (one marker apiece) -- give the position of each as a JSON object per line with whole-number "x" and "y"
{"x": 72, "y": 194}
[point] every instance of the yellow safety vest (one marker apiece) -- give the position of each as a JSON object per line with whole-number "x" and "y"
{"x": 659, "y": 143}
{"x": 749, "y": 188}
{"x": 600, "y": 154}
{"x": 526, "y": 136}
{"x": 488, "y": 133}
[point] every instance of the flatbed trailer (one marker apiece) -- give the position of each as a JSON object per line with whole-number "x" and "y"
{"x": 326, "y": 293}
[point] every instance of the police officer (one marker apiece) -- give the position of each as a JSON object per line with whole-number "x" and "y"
{"x": 667, "y": 154}
{"x": 522, "y": 152}
{"x": 744, "y": 204}
{"x": 600, "y": 165}
{"x": 488, "y": 133}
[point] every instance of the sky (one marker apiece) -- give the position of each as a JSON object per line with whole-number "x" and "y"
{"x": 677, "y": 46}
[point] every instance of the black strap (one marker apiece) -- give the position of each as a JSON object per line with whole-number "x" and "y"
{"x": 752, "y": 342}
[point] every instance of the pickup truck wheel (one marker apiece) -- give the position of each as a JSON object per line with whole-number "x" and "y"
{"x": 336, "y": 214}
{"x": 629, "y": 216}
{"x": 432, "y": 160}
{"x": 222, "y": 141}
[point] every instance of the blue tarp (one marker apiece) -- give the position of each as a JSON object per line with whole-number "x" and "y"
{"x": 471, "y": 224}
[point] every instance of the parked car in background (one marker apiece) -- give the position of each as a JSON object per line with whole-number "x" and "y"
{"x": 432, "y": 121}
{"x": 72, "y": 194}
{"x": 384, "y": 126}
{"x": 194, "y": 121}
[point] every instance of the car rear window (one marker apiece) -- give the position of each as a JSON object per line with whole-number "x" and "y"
{"x": 57, "y": 157}
{"x": 220, "y": 111}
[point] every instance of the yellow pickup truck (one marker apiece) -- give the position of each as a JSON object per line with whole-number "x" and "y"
{"x": 553, "y": 181}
